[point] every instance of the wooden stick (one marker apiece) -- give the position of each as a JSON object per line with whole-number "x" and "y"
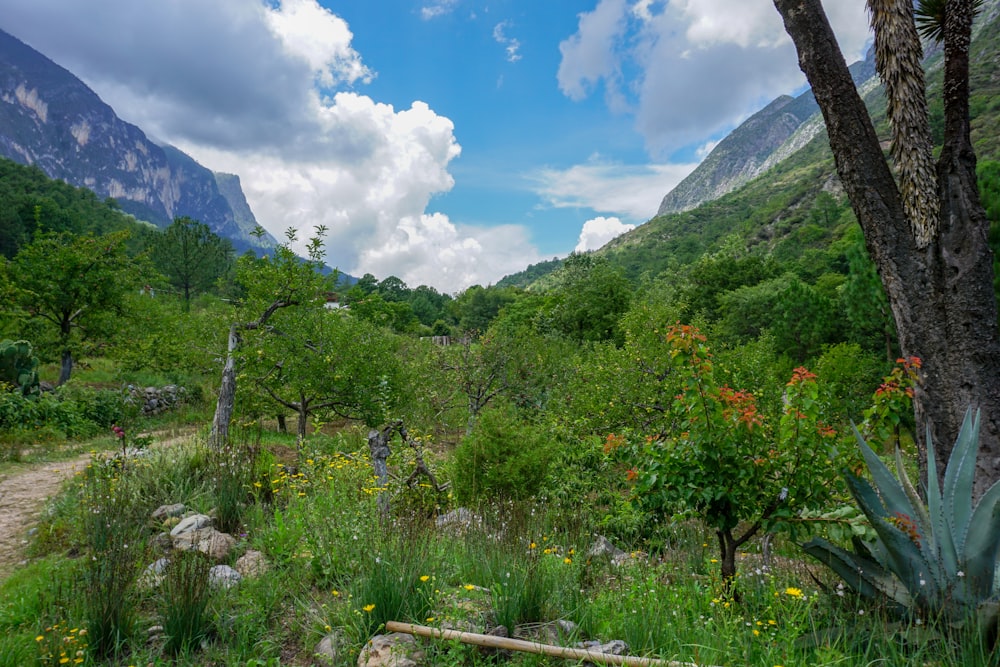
{"x": 531, "y": 647}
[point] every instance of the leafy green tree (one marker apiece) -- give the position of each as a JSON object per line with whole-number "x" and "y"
{"x": 476, "y": 308}
{"x": 76, "y": 285}
{"x": 191, "y": 256}
{"x": 316, "y": 362}
{"x": 590, "y": 300}
{"x": 271, "y": 283}
{"x": 721, "y": 458}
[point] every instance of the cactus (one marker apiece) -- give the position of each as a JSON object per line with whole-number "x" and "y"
{"x": 937, "y": 560}
{"x": 18, "y": 366}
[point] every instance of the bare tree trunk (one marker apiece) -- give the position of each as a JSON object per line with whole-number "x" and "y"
{"x": 66, "y": 367}
{"x": 941, "y": 291}
{"x": 227, "y": 394}
{"x": 378, "y": 447}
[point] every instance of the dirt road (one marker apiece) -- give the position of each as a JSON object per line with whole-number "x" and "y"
{"x": 22, "y": 497}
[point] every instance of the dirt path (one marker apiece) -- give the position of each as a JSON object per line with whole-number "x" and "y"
{"x": 23, "y": 494}
{"x": 22, "y": 497}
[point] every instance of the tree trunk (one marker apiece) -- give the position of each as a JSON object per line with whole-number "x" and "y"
{"x": 378, "y": 448}
{"x": 65, "y": 367}
{"x": 303, "y": 421}
{"x": 727, "y": 554}
{"x": 941, "y": 292}
{"x": 282, "y": 426}
{"x": 227, "y": 394}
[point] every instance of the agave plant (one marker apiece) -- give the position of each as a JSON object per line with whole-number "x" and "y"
{"x": 937, "y": 560}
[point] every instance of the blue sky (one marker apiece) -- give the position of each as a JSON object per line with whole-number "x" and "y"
{"x": 447, "y": 142}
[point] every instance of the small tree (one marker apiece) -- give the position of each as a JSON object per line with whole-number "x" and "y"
{"x": 75, "y": 285}
{"x": 191, "y": 256}
{"x": 718, "y": 457}
{"x": 272, "y": 283}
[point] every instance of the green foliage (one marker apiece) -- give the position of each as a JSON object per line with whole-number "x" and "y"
{"x": 19, "y": 366}
{"x": 234, "y": 469}
{"x": 74, "y": 285}
{"x": 718, "y": 457}
{"x": 590, "y": 297}
{"x": 31, "y": 203}
{"x": 111, "y": 525}
{"x": 191, "y": 256}
{"x": 936, "y": 560}
{"x": 890, "y": 413}
{"x": 504, "y": 456}
{"x": 184, "y": 594}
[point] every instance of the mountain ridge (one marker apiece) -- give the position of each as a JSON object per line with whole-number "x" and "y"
{"x": 51, "y": 119}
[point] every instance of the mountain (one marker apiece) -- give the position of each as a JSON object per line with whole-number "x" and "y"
{"x": 51, "y": 119}
{"x": 756, "y": 145}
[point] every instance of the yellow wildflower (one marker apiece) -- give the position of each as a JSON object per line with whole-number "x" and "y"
{"x": 368, "y": 608}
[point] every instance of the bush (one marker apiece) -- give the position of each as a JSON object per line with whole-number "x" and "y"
{"x": 504, "y": 456}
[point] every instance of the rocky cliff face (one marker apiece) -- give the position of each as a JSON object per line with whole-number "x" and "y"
{"x": 51, "y": 119}
{"x": 771, "y": 134}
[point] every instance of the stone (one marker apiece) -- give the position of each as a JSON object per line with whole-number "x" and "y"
{"x": 457, "y": 520}
{"x": 252, "y": 564}
{"x": 153, "y": 575}
{"x": 392, "y": 650}
{"x": 602, "y": 548}
{"x": 327, "y": 651}
{"x": 161, "y": 542}
{"x": 191, "y": 523}
{"x": 223, "y": 576}
{"x": 209, "y": 541}
{"x": 613, "y": 647}
{"x": 166, "y": 511}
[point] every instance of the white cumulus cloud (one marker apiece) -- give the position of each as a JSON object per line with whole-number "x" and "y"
{"x": 691, "y": 68}
{"x": 632, "y": 192}
{"x": 598, "y": 231}
{"x": 266, "y": 89}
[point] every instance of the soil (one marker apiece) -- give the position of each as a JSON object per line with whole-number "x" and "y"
{"x": 23, "y": 495}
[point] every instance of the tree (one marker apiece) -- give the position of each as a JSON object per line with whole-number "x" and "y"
{"x": 272, "y": 283}
{"x": 927, "y": 232}
{"x": 191, "y": 256}
{"x": 591, "y": 299}
{"x": 716, "y": 454}
{"x": 314, "y": 361}
{"x": 75, "y": 284}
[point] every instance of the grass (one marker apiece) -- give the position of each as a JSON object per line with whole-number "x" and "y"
{"x": 334, "y": 564}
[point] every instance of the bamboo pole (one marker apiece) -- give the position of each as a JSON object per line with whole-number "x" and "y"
{"x": 532, "y": 647}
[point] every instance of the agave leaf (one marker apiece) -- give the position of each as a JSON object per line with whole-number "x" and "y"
{"x": 862, "y": 574}
{"x": 889, "y": 488}
{"x": 982, "y": 544}
{"x": 919, "y": 515}
{"x": 943, "y": 538}
{"x": 958, "y": 478}
{"x": 907, "y": 560}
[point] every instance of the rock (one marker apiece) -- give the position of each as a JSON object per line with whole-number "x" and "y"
{"x": 166, "y": 511}
{"x": 328, "y": 649}
{"x": 392, "y": 650}
{"x": 614, "y": 647}
{"x": 209, "y": 541}
{"x": 252, "y": 564}
{"x": 223, "y": 576}
{"x": 602, "y": 548}
{"x": 457, "y": 520}
{"x": 154, "y": 573}
{"x": 191, "y": 523}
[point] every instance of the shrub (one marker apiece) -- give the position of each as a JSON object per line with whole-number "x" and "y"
{"x": 504, "y": 456}
{"x": 184, "y": 597}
